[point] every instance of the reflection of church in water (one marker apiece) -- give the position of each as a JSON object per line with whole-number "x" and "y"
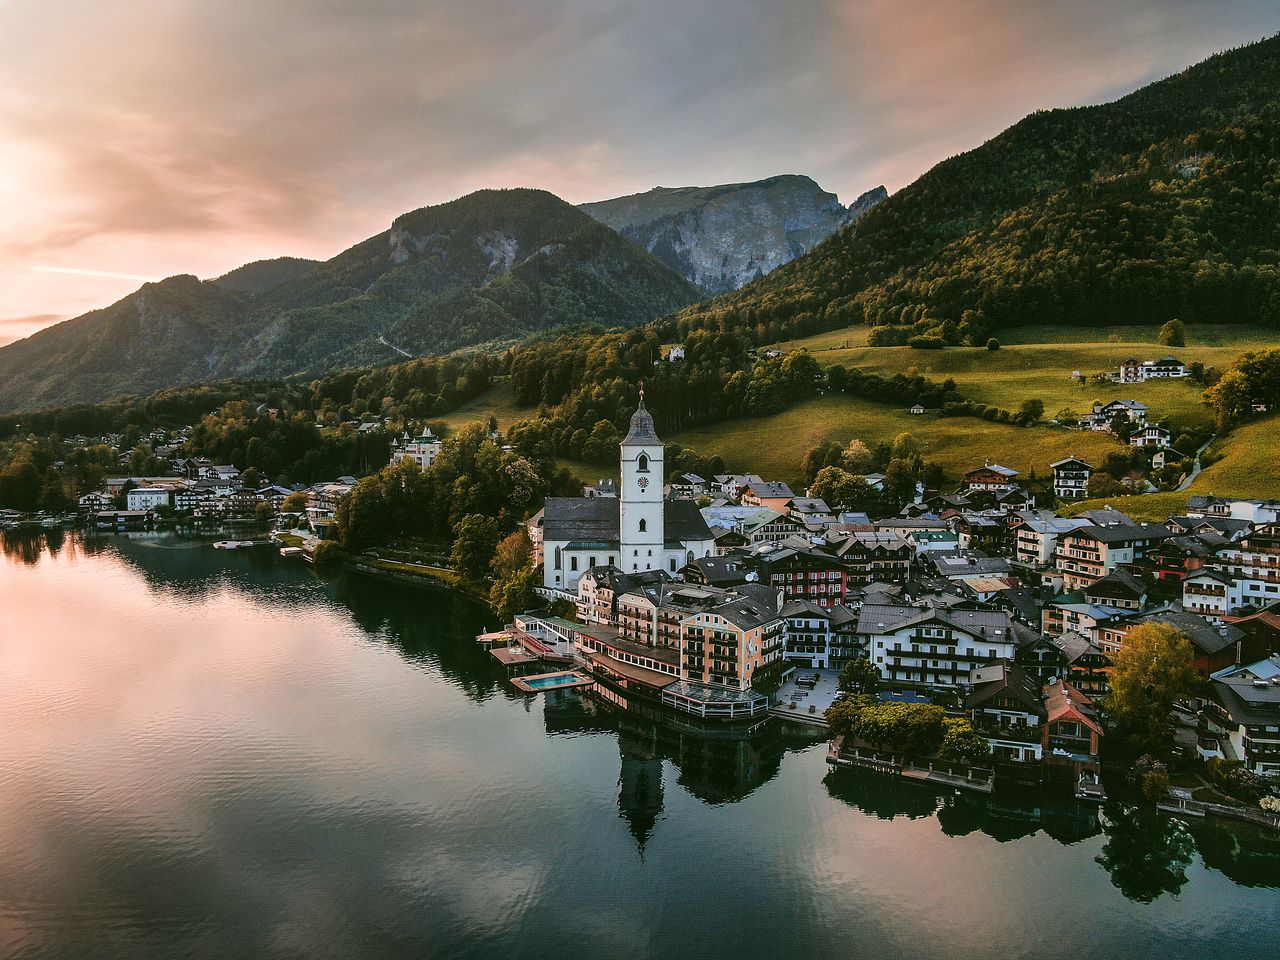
{"x": 715, "y": 769}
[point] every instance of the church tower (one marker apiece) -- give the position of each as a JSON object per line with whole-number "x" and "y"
{"x": 640, "y": 511}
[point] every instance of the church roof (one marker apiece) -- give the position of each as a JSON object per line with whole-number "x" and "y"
{"x": 642, "y": 431}
{"x": 596, "y": 519}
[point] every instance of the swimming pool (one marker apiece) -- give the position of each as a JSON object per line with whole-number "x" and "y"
{"x": 550, "y": 681}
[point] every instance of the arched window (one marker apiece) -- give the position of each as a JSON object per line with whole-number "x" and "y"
{"x": 689, "y": 557}
{"x": 557, "y": 558}
{"x": 642, "y": 465}
{"x": 643, "y": 524}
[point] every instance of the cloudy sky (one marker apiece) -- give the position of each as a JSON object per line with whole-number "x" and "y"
{"x": 146, "y": 138}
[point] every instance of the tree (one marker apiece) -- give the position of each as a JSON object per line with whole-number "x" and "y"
{"x": 857, "y": 457}
{"x": 1031, "y": 410}
{"x": 1104, "y": 485}
{"x": 962, "y": 744}
{"x": 993, "y": 344}
{"x": 326, "y": 552}
{"x": 264, "y": 512}
{"x": 512, "y": 555}
{"x": 1174, "y": 334}
{"x": 295, "y": 502}
{"x": 905, "y": 446}
{"x": 843, "y": 713}
{"x": 843, "y": 491}
{"x": 514, "y": 593}
{"x": 475, "y": 539}
{"x": 1152, "y": 670}
{"x": 859, "y": 676}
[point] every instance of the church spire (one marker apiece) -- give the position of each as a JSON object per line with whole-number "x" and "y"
{"x": 642, "y": 430}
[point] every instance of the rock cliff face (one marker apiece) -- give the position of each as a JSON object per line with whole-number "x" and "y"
{"x": 721, "y": 238}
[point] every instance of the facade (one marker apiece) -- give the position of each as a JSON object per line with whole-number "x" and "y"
{"x": 148, "y": 498}
{"x": 1150, "y": 436}
{"x": 1139, "y": 371}
{"x": 1071, "y": 478}
{"x": 871, "y": 557}
{"x": 422, "y": 449}
{"x": 1090, "y": 553}
{"x": 1252, "y": 562}
{"x": 991, "y": 478}
{"x": 933, "y": 648}
{"x": 1035, "y": 538}
{"x": 803, "y": 573}
{"x": 1005, "y": 706}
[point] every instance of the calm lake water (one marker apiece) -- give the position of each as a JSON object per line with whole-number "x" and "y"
{"x": 209, "y": 754}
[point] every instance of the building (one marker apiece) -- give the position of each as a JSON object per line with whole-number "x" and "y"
{"x": 932, "y": 647}
{"x": 1071, "y": 478}
{"x": 1035, "y": 538}
{"x": 1071, "y": 735}
{"x": 148, "y": 498}
{"x": 637, "y": 531}
{"x": 1090, "y": 553}
{"x": 1104, "y": 414}
{"x": 1005, "y": 706}
{"x": 802, "y": 572}
{"x": 871, "y": 557}
{"x": 1244, "y": 707}
{"x": 1150, "y": 436}
{"x": 991, "y": 478}
{"x": 772, "y": 495}
{"x": 1253, "y": 563}
{"x": 1140, "y": 371}
{"x": 422, "y": 449}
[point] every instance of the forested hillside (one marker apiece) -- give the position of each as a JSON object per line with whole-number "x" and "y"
{"x": 1162, "y": 204}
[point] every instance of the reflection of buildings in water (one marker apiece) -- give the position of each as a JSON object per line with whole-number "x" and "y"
{"x": 714, "y": 765}
{"x": 640, "y": 782}
{"x": 1003, "y": 818}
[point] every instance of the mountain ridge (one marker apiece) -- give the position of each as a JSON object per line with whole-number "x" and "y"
{"x": 488, "y": 268}
{"x": 724, "y": 236}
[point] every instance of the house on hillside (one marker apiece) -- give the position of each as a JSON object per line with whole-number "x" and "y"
{"x": 1071, "y": 478}
{"x": 991, "y": 478}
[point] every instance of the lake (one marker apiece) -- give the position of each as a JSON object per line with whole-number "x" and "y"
{"x": 224, "y": 754}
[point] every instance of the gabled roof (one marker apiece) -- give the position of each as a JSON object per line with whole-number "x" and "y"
{"x": 1062, "y": 701}
{"x": 1004, "y": 679}
{"x": 1008, "y": 472}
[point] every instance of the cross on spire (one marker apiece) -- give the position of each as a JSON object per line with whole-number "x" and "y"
{"x": 641, "y": 393}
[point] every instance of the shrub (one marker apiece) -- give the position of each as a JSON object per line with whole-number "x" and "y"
{"x": 926, "y": 343}
{"x": 993, "y": 344}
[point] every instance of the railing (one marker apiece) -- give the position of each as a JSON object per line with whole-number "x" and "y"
{"x": 1198, "y": 808}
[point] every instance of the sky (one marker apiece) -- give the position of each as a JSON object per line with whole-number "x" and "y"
{"x": 145, "y": 138}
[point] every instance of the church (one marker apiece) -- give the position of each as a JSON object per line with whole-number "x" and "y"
{"x": 636, "y": 531}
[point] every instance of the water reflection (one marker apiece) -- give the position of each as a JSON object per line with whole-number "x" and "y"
{"x": 227, "y": 755}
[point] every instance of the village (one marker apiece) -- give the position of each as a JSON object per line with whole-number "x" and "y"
{"x": 763, "y": 603}
{"x": 733, "y": 600}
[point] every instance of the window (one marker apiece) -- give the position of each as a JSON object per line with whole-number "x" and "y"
{"x": 673, "y": 564}
{"x": 642, "y": 464}
{"x": 573, "y": 563}
{"x": 643, "y": 524}
{"x": 557, "y": 558}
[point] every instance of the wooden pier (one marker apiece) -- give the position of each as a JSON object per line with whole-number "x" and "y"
{"x": 940, "y": 773}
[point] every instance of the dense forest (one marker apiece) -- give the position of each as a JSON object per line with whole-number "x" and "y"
{"x": 1161, "y": 205}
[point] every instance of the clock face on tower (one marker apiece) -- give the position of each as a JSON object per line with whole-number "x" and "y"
{"x": 643, "y": 482}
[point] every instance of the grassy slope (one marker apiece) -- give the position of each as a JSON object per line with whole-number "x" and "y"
{"x": 1040, "y": 366}
{"x": 1248, "y": 468}
{"x": 775, "y": 446}
{"x": 498, "y": 400}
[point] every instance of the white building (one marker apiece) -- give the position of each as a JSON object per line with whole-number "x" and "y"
{"x": 147, "y": 498}
{"x": 636, "y": 531}
{"x": 421, "y": 450}
{"x": 929, "y": 647}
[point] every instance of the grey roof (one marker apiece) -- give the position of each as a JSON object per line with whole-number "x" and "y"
{"x": 1123, "y": 533}
{"x": 642, "y": 431}
{"x": 1202, "y": 634}
{"x": 596, "y": 518}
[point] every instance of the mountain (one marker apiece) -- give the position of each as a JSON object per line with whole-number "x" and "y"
{"x": 723, "y": 237}
{"x": 263, "y": 275}
{"x": 489, "y": 268}
{"x": 1162, "y": 204}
